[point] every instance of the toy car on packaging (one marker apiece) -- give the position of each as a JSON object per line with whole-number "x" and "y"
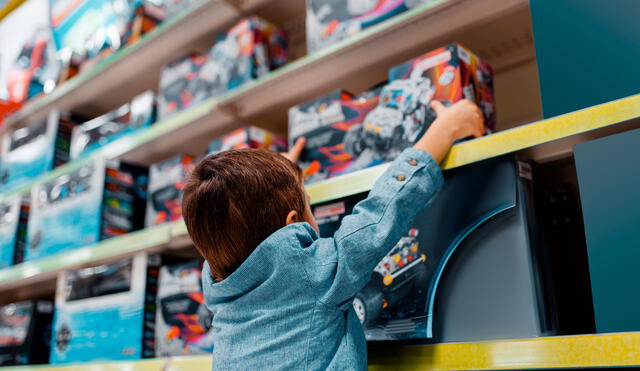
{"x": 106, "y": 312}
{"x": 109, "y": 127}
{"x": 183, "y": 322}
{"x": 25, "y": 332}
{"x": 36, "y": 69}
{"x": 331, "y": 21}
{"x": 13, "y": 224}
{"x": 178, "y": 83}
{"x": 327, "y": 123}
{"x": 249, "y": 137}
{"x": 35, "y": 149}
{"x": 248, "y": 50}
{"x": 166, "y": 182}
{"x": 97, "y": 201}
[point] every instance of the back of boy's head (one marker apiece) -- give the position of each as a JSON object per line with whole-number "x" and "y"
{"x": 234, "y": 200}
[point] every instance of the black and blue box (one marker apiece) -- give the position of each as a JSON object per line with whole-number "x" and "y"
{"x": 14, "y": 216}
{"x": 25, "y": 332}
{"x": 166, "y": 182}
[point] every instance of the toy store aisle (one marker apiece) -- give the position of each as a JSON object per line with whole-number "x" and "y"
{"x": 525, "y": 260}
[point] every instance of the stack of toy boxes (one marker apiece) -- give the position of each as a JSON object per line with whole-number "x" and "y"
{"x": 336, "y": 145}
{"x": 250, "y": 49}
{"x": 96, "y": 201}
{"x": 166, "y": 182}
{"x": 35, "y": 149}
{"x": 25, "y": 330}
{"x": 106, "y": 312}
{"x": 249, "y": 137}
{"x": 327, "y": 123}
{"x": 331, "y": 21}
{"x": 183, "y": 322}
{"x": 14, "y": 215}
{"x": 111, "y": 126}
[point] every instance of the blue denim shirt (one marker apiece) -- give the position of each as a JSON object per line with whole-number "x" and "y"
{"x": 288, "y": 306}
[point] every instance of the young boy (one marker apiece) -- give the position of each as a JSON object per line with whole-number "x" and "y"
{"x": 280, "y": 295}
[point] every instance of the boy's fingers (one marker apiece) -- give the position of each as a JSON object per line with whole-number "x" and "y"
{"x": 437, "y": 106}
{"x": 296, "y": 150}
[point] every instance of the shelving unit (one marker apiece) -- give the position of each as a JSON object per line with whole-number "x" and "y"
{"x": 499, "y": 31}
{"x": 607, "y": 350}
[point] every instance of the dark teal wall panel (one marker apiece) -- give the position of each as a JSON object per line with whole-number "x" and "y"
{"x": 609, "y": 179}
{"x": 588, "y": 51}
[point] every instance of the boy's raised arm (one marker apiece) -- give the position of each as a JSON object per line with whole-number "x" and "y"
{"x": 398, "y": 196}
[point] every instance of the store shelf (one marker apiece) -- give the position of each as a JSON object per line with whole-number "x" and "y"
{"x": 134, "y": 69}
{"x": 541, "y": 141}
{"x": 30, "y": 279}
{"x": 606, "y": 350}
{"x": 9, "y": 7}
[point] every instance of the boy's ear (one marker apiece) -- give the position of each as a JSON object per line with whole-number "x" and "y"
{"x": 292, "y": 217}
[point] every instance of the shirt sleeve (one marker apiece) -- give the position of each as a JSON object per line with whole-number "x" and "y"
{"x": 341, "y": 266}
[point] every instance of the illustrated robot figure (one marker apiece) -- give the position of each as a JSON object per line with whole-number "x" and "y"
{"x": 401, "y": 116}
{"x": 400, "y": 273}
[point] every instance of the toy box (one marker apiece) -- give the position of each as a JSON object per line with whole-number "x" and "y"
{"x": 249, "y": 137}
{"x": 106, "y": 312}
{"x": 183, "y": 322}
{"x": 14, "y": 215}
{"x": 98, "y": 200}
{"x": 146, "y": 16}
{"x": 248, "y": 50}
{"x": 178, "y": 84}
{"x": 166, "y": 182}
{"x": 467, "y": 269}
{"x": 25, "y": 332}
{"x": 328, "y": 123}
{"x": 109, "y": 127}
{"x": 331, "y": 21}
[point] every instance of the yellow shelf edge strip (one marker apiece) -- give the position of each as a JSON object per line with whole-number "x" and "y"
{"x": 598, "y": 350}
{"x": 10, "y": 7}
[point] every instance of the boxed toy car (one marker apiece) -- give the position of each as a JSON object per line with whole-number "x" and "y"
{"x": 14, "y": 213}
{"x": 331, "y": 21}
{"x": 327, "y": 123}
{"x": 25, "y": 332}
{"x": 106, "y": 312}
{"x": 111, "y": 126}
{"x": 183, "y": 322}
{"x": 35, "y": 149}
{"x": 250, "y": 49}
{"x": 96, "y": 201}
{"x": 178, "y": 84}
{"x": 249, "y": 137}
{"x": 166, "y": 182}
{"x": 467, "y": 268}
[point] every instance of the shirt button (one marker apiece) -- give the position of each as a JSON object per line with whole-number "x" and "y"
{"x": 401, "y": 178}
{"x": 412, "y": 162}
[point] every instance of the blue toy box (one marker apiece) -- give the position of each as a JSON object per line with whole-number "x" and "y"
{"x": 106, "y": 312}
{"x": 114, "y": 125}
{"x": 98, "y": 200}
{"x": 35, "y": 149}
{"x": 13, "y": 222}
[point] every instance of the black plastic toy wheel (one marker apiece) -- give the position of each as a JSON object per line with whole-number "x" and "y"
{"x": 368, "y": 305}
{"x": 353, "y": 143}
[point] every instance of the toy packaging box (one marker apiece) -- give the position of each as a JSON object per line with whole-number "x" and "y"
{"x": 14, "y": 215}
{"x": 35, "y": 149}
{"x": 146, "y": 16}
{"x": 248, "y": 50}
{"x": 25, "y": 332}
{"x": 331, "y": 21}
{"x": 183, "y": 322}
{"x": 249, "y": 137}
{"x": 109, "y": 127}
{"x": 178, "y": 83}
{"x": 328, "y": 124}
{"x": 97, "y": 201}
{"x": 166, "y": 182}
{"x": 106, "y": 312}
{"x": 469, "y": 249}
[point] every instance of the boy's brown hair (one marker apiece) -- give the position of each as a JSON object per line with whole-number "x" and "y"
{"x": 235, "y": 199}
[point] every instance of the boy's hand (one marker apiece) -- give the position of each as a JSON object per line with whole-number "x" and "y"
{"x": 463, "y": 119}
{"x": 294, "y": 152}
